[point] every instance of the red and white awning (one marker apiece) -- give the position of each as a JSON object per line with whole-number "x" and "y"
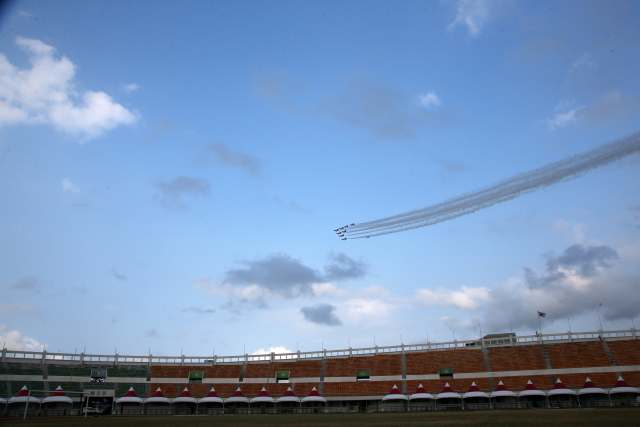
{"x": 23, "y": 396}
{"x": 185, "y": 397}
{"x": 622, "y": 387}
{"x": 157, "y": 397}
{"x": 395, "y": 394}
{"x": 129, "y": 397}
{"x": 289, "y": 396}
{"x": 590, "y": 388}
{"x": 474, "y": 391}
{"x": 314, "y": 396}
{"x": 502, "y": 391}
{"x": 211, "y": 397}
{"x": 263, "y": 396}
{"x": 237, "y": 397}
{"x": 448, "y": 393}
{"x": 421, "y": 393}
{"x": 531, "y": 390}
{"x": 559, "y": 388}
{"x": 58, "y": 396}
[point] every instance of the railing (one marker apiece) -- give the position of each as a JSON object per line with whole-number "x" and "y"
{"x": 116, "y": 359}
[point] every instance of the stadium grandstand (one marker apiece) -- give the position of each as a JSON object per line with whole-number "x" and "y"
{"x": 504, "y": 371}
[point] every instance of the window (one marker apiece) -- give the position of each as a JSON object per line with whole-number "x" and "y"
{"x": 362, "y": 376}
{"x": 196, "y": 376}
{"x": 282, "y": 376}
{"x": 446, "y": 373}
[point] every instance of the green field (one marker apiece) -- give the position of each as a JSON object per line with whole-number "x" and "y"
{"x": 548, "y": 418}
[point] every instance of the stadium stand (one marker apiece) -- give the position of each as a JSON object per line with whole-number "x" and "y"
{"x": 376, "y": 365}
{"x": 577, "y": 355}
{"x": 572, "y": 362}
{"x": 626, "y": 352}
{"x": 516, "y": 358}
{"x": 302, "y": 369}
{"x": 460, "y": 360}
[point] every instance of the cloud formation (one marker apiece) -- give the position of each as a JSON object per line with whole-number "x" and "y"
{"x": 321, "y": 314}
{"x": 581, "y": 280}
{"x": 172, "y": 193}
{"x": 279, "y": 276}
{"x": 26, "y": 283}
{"x": 237, "y": 159}
{"x": 611, "y": 106}
{"x": 472, "y": 14}
{"x": 14, "y": 340}
{"x": 67, "y": 185}
{"x": 117, "y": 275}
{"x": 45, "y": 94}
{"x": 7, "y": 309}
{"x": 197, "y": 310}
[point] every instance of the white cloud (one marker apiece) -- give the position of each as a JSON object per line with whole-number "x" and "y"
{"x": 563, "y": 117}
{"x": 328, "y": 290}
{"x": 473, "y": 14}
{"x": 429, "y": 99}
{"x": 278, "y": 350}
{"x": 67, "y": 185}
{"x": 14, "y": 340}
{"x": 131, "y": 87}
{"x": 466, "y": 299}
{"x": 585, "y": 61}
{"x": 45, "y": 94}
{"x": 18, "y": 308}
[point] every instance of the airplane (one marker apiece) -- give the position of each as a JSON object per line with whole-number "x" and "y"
{"x": 336, "y": 229}
{"x": 353, "y": 223}
{"x": 367, "y": 236}
{"x": 344, "y": 238}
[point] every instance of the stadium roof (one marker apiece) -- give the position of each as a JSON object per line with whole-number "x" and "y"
{"x": 288, "y": 396}
{"x": 23, "y": 396}
{"x": 531, "y": 390}
{"x": 263, "y": 396}
{"x": 185, "y": 397}
{"x": 448, "y": 393}
{"x": 58, "y": 396}
{"x": 474, "y": 391}
{"x": 395, "y": 395}
{"x": 237, "y": 397}
{"x": 421, "y": 393}
{"x": 211, "y": 397}
{"x": 129, "y": 397}
{"x": 157, "y": 397}
{"x": 590, "y": 388}
{"x": 314, "y": 396}
{"x": 502, "y": 391}
{"x": 622, "y": 387}
{"x": 560, "y": 388}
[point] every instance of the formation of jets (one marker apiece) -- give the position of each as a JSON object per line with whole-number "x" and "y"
{"x": 342, "y": 230}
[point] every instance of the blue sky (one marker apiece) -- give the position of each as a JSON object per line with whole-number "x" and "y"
{"x": 171, "y": 173}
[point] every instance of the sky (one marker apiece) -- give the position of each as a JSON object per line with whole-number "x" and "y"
{"x": 172, "y": 173}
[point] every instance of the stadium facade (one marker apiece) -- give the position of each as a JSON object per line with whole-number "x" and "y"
{"x": 498, "y": 371}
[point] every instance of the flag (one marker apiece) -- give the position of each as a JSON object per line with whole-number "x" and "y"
{"x": 541, "y": 314}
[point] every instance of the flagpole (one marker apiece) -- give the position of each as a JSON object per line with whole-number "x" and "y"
{"x": 539, "y": 324}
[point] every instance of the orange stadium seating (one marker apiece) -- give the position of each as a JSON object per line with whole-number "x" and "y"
{"x": 576, "y": 381}
{"x": 169, "y": 390}
{"x": 626, "y": 352}
{"x": 632, "y": 378}
{"x": 577, "y": 355}
{"x": 257, "y": 370}
{"x": 222, "y": 371}
{"x": 390, "y": 364}
{"x": 516, "y": 358}
{"x": 303, "y": 369}
{"x": 459, "y": 360}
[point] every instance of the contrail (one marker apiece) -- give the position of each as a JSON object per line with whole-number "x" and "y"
{"x": 507, "y": 189}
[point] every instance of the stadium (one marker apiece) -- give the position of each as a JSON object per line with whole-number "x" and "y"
{"x": 500, "y": 371}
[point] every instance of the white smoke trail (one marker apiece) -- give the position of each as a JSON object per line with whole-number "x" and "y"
{"x": 510, "y": 188}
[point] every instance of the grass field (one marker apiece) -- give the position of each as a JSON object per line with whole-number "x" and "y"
{"x": 548, "y": 418}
